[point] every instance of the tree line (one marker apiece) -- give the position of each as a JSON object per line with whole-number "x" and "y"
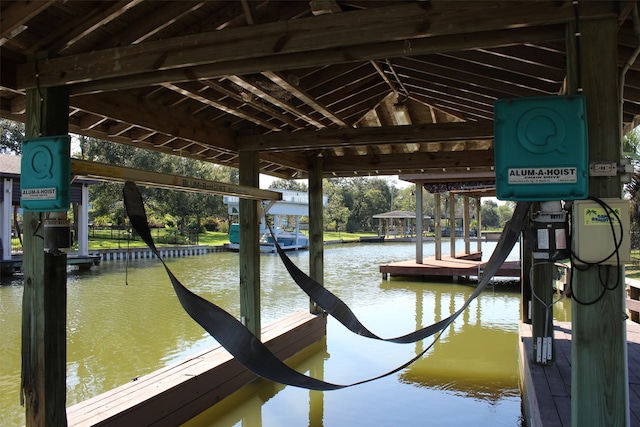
{"x": 352, "y": 202}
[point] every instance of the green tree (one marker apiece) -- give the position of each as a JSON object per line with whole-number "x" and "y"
{"x": 336, "y": 214}
{"x": 11, "y": 136}
{"x": 631, "y": 146}
{"x": 490, "y": 216}
{"x": 182, "y": 209}
{"x": 505, "y": 212}
{"x": 363, "y": 197}
{"x": 289, "y": 184}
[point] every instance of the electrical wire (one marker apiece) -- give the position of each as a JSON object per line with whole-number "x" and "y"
{"x": 547, "y": 307}
{"x": 604, "y": 281}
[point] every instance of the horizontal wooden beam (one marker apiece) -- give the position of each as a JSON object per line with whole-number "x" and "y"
{"x": 139, "y": 111}
{"x": 347, "y": 54}
{"x": 404, "y": 23}
{"x": 330, "y": 138}
{"x": 383, "y": 164}
{"x": 106, "y": 172}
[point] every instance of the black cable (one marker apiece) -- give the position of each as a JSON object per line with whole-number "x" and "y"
{"x": 576, "y": 10}
{"x": 41, "y": 118}
{"x": 33, "y": 234}
{"x": 604, "y": 282}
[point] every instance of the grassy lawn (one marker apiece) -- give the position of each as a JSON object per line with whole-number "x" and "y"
{"x": 105, "y": 241}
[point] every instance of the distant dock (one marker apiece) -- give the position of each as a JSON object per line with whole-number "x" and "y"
{"x": 464, "y": 266}
{"x": 14, "y": 265}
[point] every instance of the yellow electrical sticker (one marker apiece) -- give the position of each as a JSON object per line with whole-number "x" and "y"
{"x": 599, "y": 216}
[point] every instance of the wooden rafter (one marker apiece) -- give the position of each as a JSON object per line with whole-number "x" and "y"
{"x": 330, "y": 138}
{"x": 403, "y": 22}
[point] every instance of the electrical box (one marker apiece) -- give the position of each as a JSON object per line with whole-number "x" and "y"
{"x": 541, "y": 148}
{"x": 593, "y": 237}
{"x": 45, "y": 175}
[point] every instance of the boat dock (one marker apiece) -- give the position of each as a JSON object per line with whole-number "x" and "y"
{"x": 172, "y": 395}
{"x": 451, "y": 268}
{"x": 546, "y": 389}
{"x": 14, "y": 265}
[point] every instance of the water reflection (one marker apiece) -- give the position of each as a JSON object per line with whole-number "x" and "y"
{"x": 123, "y": 323}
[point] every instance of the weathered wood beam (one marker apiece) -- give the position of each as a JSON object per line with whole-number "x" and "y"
{"x": 262, "y": 94}
{"x": 107, "y": 172}
{"x": 64, "y": 36}
{"x": 419, "y": 160}
{"x": 44, "y": 306}
{"x": 183, "y": 90}
{"x": 329, "y": 138}
{"x": 128, "y": 108}
{"x": 249, "y": 220}
{"x": 158, "y": 20}
{"x": 305, "y": 97}
{"x": 376, "y": 25}
{"x": 260, "y": 106}
{"x": 18, "y": 13}
{"x": 316, "y": 223}
{"x": 599, "y": 368}
{"x": 347, "y": 54}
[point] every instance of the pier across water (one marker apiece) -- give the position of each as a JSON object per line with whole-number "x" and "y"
{"x": 452, "y": 268}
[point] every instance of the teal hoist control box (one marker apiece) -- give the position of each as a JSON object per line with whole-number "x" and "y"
{"x": 541, "y": 148}
{"x": 45, "y": 175}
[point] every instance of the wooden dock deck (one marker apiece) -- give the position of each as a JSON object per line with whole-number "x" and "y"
{"x": 174, "y": 394}
{"x": 453, "y": 268}
{"x": 546, "y": 390}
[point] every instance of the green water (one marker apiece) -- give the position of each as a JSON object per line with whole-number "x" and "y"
{"x": 123, "y": 323}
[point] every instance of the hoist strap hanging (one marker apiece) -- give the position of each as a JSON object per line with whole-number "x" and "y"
{"x": 249, "y": 350}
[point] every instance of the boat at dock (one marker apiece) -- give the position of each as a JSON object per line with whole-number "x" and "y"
{"x": 288, "y": 240}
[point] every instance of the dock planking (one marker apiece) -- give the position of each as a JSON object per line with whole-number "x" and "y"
{"x": 546, "y": 390}
{"x": 462, "y": 265}
{"x": 176, "y": 393}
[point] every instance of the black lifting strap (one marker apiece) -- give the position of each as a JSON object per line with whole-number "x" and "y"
{"x": 335, "y": 307}
{"x": 234, "y": 336}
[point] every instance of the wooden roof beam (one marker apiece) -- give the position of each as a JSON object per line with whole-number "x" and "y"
{"x": 329, "y": 32}
{"x": 304, "y": 97}
{"x": 127, "y": 108}
{"x": 108, "y": 172}
{"x": 17, "y": 14}
{"x": 277, "y": 62}
{"x": 260, "y": 106}
{"x": 246, "y": 84}
{"x": 183, "y": 90}
{"x": 410, "y": 161}
{"x": 332, "y": 138}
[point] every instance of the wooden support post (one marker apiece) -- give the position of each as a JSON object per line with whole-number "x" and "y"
{"x": 526, "y": 260}
{"x": 6, "y": 215}
{"x": 452, "y": 224}
{"x": 249, "y": 221}
{"x": 438, "y": 213}
{"x": 316, "y": 238}
{"x": 83, "y": 222}
{"x": 467, "y": 234}
{"x": 599, "y": 376}
{"x": 419, "y": 224}
{"x": 44, "y": 309}
{"x": 479, "y": 215}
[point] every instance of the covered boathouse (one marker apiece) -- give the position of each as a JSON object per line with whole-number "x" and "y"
{"x": 314, "y": 90}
